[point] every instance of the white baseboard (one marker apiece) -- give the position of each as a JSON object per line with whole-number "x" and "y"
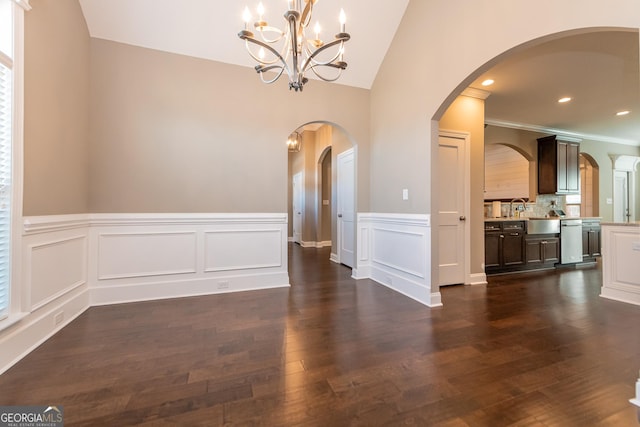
{"x": 334, "y": 258}
{"x": 630, "y": 296}
{"x": 147, "y": 291}
{"x": 477, "y": 279}
{"x": 409, "y": 288}
{"x": 26, "y": 335}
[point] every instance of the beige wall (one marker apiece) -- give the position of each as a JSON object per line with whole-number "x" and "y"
{"x": 466, "y": 114}
{"x": 56, "y": 124}
{"x": 171, "y": 133}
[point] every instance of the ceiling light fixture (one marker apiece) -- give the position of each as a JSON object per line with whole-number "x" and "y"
{"x": 294, "y": 142}
{"x": 563, "y": 100}
{"x": 291, "y": 50}
{"x": 488, "y": 82}
{"x": 622, "y": 113}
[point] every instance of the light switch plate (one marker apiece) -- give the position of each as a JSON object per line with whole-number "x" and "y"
{"x": 405, "y": 194}
{"x": 609, "y": 201}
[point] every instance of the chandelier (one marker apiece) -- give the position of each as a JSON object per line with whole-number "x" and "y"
{"x": 291, "y": 49}
{"x": 294, "y": 142}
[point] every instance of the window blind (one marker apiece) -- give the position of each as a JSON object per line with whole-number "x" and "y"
{"x": 5, "y": 185}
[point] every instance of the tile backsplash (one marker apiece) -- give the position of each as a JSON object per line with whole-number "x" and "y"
{"x": 540, "y": 208}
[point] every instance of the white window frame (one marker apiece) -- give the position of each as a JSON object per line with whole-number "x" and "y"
{"x": 18, "y": 294}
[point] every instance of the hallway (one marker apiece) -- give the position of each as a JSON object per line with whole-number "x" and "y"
{"x": 539, "y": 349}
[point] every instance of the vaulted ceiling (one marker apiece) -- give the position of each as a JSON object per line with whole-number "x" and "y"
{"x": 599, "y": 71}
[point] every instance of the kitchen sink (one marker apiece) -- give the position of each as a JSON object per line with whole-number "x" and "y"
{"x": 543, "y": 226}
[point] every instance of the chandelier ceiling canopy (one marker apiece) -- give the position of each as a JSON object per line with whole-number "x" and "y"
{"x": 292, "y": 50}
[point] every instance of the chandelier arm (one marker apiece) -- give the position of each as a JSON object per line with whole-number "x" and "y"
{"x": 257, "y": 59}
{"x": 339, "y": 40}
{"x": 273, "y": 30}
{"x": 272, "y": 67}
{"x": 266, "y": 46}
{"x": 326, "y": 79}
{"x": 313, "y": 61}
{"x": 306, "y": 14}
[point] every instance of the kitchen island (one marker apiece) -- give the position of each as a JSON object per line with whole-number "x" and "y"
{"x": 621, "y": 261}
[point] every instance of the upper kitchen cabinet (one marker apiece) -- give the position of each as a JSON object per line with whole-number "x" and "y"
{"x": 558, "y": 166}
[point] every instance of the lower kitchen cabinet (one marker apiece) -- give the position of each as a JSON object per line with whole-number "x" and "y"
{"x": 541, "y": 250}
{"x": 503, "y": 246}
{"x": 590, "y": 240}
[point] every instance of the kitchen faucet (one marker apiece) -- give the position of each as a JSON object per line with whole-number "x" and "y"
{"x": 524, "y": 206}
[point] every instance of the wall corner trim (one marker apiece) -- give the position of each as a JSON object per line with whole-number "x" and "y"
{"x": 394, "y": 250}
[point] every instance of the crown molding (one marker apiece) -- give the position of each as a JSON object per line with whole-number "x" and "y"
{"x": 23, "y": 4}
{"x": 562, "y": 134}
{"x": 476, "y": 93}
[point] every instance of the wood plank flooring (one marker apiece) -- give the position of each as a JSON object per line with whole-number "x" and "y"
{"x": 533, "y": 349}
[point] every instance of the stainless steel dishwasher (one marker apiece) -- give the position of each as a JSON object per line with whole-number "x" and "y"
{"x": 570, "y": 241}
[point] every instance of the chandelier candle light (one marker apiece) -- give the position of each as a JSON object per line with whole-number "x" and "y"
{"x": 298, "y": 54}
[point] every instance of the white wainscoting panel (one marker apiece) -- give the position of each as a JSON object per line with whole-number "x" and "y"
{"x": 152, "y": 256}
{"x": 394, "y": 250}
{"x": 54, "y": 282}
{"x": 228, "y": 250}
{"x": 55, "y": 268}
{"x": 129, "y": 255}
{"x": 620, "y": 261}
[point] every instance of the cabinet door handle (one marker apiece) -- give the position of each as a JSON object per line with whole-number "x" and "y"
{"x": 502, "y": 236}
{"x": 514, "y": 234}
{"x": 544, "y": 242}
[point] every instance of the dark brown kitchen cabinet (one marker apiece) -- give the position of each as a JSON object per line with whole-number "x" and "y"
{"x": 503, "y": 246}
{"x": 590, "y": 239}
{"x": 541, "y": 250}
{"x": 558, "y": 166}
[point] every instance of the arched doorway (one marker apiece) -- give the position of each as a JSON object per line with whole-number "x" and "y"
{"x": 315, "y": 164}
{"x": 476, "y": 199}
{"x": 589, "y": 186}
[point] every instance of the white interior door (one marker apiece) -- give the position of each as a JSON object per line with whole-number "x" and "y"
{"x": 297, "y": 207}
{"x": 621, "y": 204}
{"x": 346, "y": 207}
{"x": 451, "y": 209}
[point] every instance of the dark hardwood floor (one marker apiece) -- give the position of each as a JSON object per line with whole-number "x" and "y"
{"x": 533, "y": 349}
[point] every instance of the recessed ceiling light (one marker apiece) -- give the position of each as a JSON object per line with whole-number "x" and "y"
{"x": 563, "y": 100}
{"x": 622, "y": 113}
{"x": 488, "y": 82}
